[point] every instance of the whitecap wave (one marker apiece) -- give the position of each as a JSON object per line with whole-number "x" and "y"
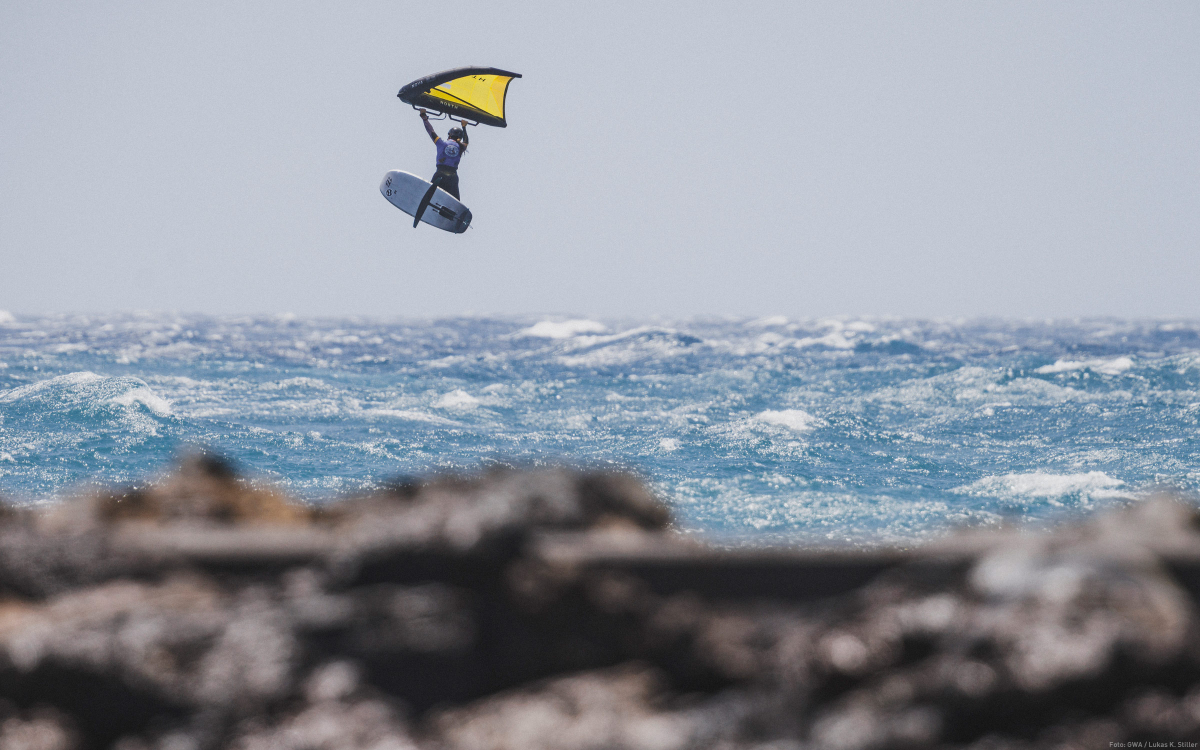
{"x": 410, "y": 415}
{"x": 648, "y": 343}
{"x": 1053, "y": 488}
{"x": 549, "y": 329}
{"x": 457, "y": 400}
{"x": 831, "y": 340}
{"x": 84, "y": 403}
{"x": 157, "y": 405}
{"x": 63, "y": 383}
{"x": 946, "y": 394}
{"x": 1114, "y": 366}
{"x": 88, "y": 391}
{"x": 796, "y": 420}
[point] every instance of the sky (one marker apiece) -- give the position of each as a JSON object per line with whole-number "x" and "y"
{"x": 924, "y": 159}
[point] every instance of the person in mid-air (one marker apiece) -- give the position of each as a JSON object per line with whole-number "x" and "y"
{"x": 449, "y": 152}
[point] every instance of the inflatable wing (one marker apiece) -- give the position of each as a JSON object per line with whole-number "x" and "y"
{"x": 465, "y": 93}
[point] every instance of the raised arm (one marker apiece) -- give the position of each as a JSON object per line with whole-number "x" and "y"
{"x": 428, "y": 127}
{"x": 466, "y": 140}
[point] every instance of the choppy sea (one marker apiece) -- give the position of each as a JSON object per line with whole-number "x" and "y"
{"x": 838, "y": 430}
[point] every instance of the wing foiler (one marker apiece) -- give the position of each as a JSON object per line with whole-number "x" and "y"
{"x": 475, "y": 94}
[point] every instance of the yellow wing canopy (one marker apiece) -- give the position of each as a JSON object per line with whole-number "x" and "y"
{"x": 466, "y": 93}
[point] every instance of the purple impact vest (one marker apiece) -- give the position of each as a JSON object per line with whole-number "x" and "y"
{"x": 448, "y": 152}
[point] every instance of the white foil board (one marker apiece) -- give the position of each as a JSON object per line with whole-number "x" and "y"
{"x": 404, "y": 191}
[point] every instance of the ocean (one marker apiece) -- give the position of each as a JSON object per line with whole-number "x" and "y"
{"x": 838, "y": 430}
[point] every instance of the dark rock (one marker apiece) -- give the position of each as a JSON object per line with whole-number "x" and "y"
{"x": 204, "y": 488}
{"x": 555, "y": 609}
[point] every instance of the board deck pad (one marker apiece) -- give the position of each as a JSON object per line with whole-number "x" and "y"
{"x": 404, "y": 191}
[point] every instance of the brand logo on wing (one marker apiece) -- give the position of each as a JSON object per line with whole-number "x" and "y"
{"x": 452, "y": 149}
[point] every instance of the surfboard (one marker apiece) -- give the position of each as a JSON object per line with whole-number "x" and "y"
{"x": 406, "y": 191}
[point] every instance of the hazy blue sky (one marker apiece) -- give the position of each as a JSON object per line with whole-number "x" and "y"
{"x": 750, "y": 158}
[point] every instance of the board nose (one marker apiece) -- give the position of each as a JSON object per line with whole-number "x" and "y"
{"x": 386, "y": 183}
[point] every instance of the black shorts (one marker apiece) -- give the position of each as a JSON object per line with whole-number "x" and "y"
{"x": 447, "y": 179}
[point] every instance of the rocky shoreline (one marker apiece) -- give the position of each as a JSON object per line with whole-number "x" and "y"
{"x": 556, "y": 609}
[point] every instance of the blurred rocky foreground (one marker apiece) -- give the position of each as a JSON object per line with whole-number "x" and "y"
{"x": 554, "y": 609}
